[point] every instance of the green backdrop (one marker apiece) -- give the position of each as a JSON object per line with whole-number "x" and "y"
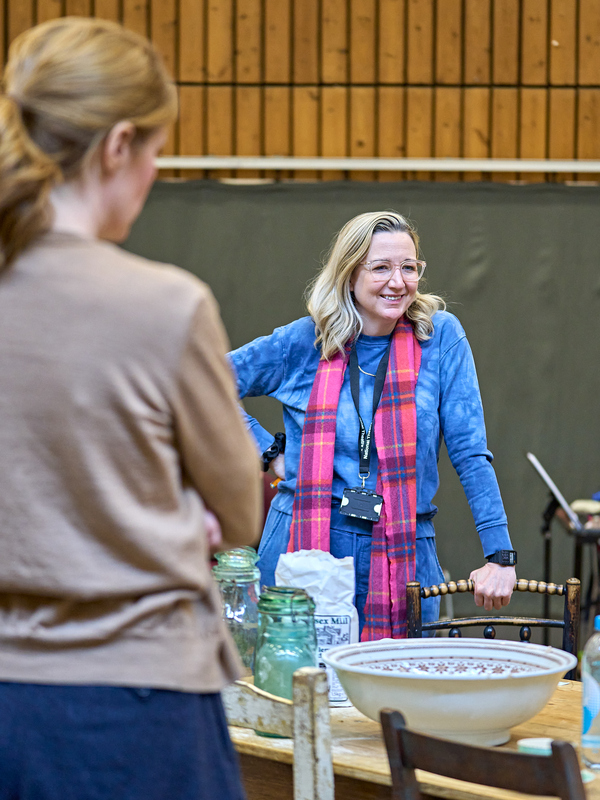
{"x": 517, "y": 264}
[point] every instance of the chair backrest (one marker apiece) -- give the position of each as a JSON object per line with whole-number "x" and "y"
{"x": 305, "y": 720}
{"x": 570, "y": 623}
{"x": 557, "y": 775}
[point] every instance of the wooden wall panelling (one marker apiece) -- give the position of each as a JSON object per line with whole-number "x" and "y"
{"x": 504, "y": 132}
{"x": 306, "y": 102}
{"x": 19, "y": 17}
{"x": 48, "y": 9}
{"x": 277, "y": 33}
{"x": 534, "y": 42}
{"x": 561, "y": 127}
{"x": 219, "y": 125}
{"x": 419, "y": 41}
{"x": 447, "y": 127}
{"x": 306, "y": 41}
{"x": 419, "y": 123}
{"x": 449, "y": 41}
{"x": 192, "y": 118}
{"x": 2, "y": 32}
{"x": 248, "y": 125}
{"x": 334, "y": 41}
{"x": 163, "y": 27}
{"x": 277, "y": 125}
{"x": 248, "y": 45}
{"x": 391, "y": 37}
{"x": 220, "y": 41}
{"x": 334, "y": 127}
{"x": 362, "y": 128}
{"x": 477, "y": 41}
{"x": 589, "y": 42}
{"x": 533, "y": 129}
{"x": 363, "y": 41}
{"x": 563, "y": 42}
{"x": 192, "y": 44}
{"x": 476, "y": 127}
{"x": 136, "y": 16}
{"x": 505, "y": 43}
{"x": 391, "y": 141}
{"x": 588, "y": 125}
{"x": 107, "y": 9}
{"x": 78, "y": 8}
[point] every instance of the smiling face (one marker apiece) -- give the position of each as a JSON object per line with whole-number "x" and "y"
{"x": 381, "y": 305}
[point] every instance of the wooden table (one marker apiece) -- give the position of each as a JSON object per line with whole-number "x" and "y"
{"x": 360, "y": 763}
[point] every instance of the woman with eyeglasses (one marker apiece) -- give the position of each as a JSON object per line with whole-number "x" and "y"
{"x": 370, "y": 382}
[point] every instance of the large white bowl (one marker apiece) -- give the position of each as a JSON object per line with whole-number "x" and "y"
{"x": 469, "y": 690}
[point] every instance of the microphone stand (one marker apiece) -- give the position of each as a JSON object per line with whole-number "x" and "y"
{"x": 547, "y": 517}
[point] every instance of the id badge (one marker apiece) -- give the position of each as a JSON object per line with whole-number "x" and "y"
{"x": 361, "y": 504}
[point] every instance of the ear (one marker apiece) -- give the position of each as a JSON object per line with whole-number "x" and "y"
{"x": 116, "y": 147}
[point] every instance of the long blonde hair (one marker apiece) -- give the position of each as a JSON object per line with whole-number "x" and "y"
{"x": 329, "y": 299}
{"x": 66, "y": 84}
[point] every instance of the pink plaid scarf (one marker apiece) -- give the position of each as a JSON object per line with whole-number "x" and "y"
{"x": 393, "y": 541}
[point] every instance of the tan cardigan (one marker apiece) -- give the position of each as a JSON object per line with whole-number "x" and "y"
{"x": 118, "y": 418}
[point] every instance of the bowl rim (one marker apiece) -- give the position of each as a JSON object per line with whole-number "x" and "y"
{"x": 331, "y": 658}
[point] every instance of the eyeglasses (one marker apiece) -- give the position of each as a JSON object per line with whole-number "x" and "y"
{"x": 381, "y": 270}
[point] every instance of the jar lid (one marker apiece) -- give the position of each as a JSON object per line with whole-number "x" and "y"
{"x": 285, "y": 600}
{"x": 237, "y": 564}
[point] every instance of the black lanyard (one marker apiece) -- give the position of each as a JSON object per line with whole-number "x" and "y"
{"x": 365, "y": 438}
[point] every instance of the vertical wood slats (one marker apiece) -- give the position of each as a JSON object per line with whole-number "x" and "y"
{"x": 473, "y": 78}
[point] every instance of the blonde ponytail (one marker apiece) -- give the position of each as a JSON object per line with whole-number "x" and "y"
{"x": 26, "y": 177}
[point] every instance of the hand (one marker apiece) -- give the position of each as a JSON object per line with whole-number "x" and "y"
{"x": 212, "y": 528}
{"x": 493, "y": 585}
{"x": 278, "y": 466}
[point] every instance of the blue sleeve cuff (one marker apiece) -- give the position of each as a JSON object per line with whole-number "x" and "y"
{"x": 261, "y": 436}
{"x": 495, "y": 538}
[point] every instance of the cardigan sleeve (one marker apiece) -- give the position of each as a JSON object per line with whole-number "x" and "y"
{"x": 218, "y": 456}
{"x": 463, "y": 428}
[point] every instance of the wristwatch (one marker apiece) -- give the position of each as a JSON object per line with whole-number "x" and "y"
{"x": 506, "y": 558}
{"x": 271, "y": 453}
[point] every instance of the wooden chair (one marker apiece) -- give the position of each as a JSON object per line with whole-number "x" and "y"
{"x": 557, "y": 775}
{"x": 570, "y": 622}
{"x": 305, "y": 720}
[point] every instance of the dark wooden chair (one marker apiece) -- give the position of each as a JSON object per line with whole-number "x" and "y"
{"x": 557, "y": 775}
{"x": 570, "y": 623}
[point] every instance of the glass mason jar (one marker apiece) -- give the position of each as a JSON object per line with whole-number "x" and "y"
{"x": 286, "y": 638}
{"x": 238, "y": 578}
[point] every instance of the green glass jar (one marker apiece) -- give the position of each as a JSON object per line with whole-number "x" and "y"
{"x": 238, "y": 578}
{"x": 286, "y": 638}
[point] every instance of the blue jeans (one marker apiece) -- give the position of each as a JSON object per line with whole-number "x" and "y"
{"x": 114, "y": 743}
{"x": 275, "y": 539}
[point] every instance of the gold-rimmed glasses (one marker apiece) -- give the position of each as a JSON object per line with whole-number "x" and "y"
{"x": 381, "y": 270}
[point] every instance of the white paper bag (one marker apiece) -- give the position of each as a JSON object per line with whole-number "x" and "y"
{"x": 330, "y": 583}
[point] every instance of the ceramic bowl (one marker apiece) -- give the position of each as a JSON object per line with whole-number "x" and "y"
{"x": 469, "y": 690}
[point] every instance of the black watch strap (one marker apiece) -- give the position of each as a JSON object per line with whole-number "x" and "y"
{"x": 506, "y": 558}
{"x": 274, "y": 450}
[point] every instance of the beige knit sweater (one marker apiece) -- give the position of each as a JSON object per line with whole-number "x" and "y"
{"x": 118, "y": 420}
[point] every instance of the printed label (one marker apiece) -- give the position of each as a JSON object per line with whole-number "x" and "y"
{"x": 331, "y": 632}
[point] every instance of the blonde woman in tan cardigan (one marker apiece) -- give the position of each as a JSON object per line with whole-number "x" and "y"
{"x": 118, "y": 430}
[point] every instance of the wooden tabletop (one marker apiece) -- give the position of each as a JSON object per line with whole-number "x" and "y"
{"x": 359, "y": 754}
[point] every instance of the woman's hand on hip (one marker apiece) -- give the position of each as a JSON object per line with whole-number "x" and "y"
{"x": 278, "y": 466}
{"x": 493, "y": 585}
